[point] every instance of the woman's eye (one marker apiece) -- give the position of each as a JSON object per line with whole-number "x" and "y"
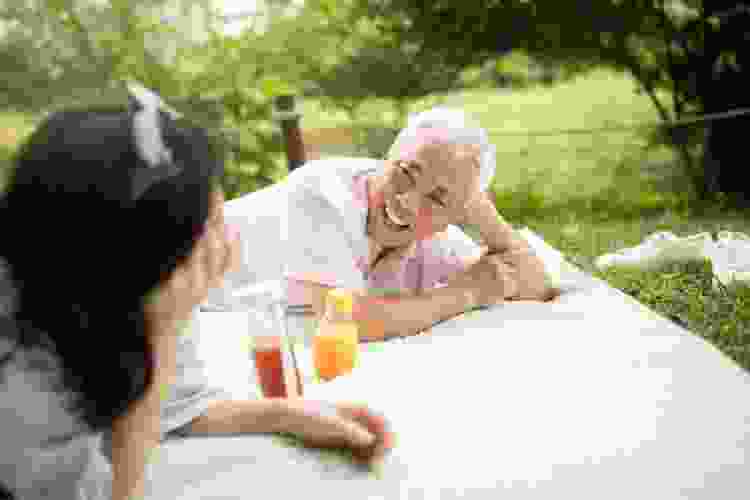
{"x": 406, "y": 172}
{"x": 438, "y": 201}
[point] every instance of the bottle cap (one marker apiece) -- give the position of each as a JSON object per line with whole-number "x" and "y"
{"x": 340, "y": 301}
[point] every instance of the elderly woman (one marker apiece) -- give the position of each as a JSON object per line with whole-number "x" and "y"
{"x": 373, "y": 226}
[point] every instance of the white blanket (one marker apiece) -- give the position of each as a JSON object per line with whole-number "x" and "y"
{"x": 591, "y": 397}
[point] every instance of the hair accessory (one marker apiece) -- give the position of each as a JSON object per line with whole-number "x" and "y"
{"x": 147, "y": 117}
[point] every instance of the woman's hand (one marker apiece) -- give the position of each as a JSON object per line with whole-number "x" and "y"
{"x": 491, "y": 279}
{"x": 217, "y": 251}
{"x": 339, "y": 425}
{"x": 476, "y": 209}
{"x": 391, "y": 260}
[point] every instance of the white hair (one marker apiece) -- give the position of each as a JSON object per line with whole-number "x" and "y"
{"x": 461, "y": 129}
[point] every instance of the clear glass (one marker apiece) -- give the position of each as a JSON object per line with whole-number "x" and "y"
{"x": 271, "y": 347}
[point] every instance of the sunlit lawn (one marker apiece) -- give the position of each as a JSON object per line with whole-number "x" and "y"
{"x": 568, "y": 163}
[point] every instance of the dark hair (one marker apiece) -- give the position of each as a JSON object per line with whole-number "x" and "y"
{"x": 83, "y": 254}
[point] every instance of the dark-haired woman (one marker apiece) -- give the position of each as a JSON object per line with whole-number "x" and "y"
{"x": 113, "y": 233}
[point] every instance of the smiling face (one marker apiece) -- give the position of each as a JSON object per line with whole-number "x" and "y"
{"x": 422, "y": 192}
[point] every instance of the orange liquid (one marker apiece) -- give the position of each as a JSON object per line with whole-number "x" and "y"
{"x": 335, "y": 349}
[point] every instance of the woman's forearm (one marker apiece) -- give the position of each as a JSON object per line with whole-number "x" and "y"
{"x": 252, "y": 416}
{"x": 495, "y": 233}
{"x": 134, "y": 437}
{"x": 408, "y": 314}
{"x": 501, "y": 239}
{"x": 402, "y": 315}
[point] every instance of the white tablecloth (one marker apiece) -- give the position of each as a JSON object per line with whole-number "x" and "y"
{"x": 591, "y": 397}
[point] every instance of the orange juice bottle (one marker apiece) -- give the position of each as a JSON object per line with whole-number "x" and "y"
{"x": 336, "y": 343}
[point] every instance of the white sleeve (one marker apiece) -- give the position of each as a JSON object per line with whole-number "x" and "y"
{"x": 258, "y": 217}
{"x": 456, "y": 243}
{"x": 192, "y": 391}
{"x": 190, "y": 394}
{"x": 317, "y": 248}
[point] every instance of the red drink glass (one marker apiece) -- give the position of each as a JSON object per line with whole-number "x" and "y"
{"x": 269, "y": 365}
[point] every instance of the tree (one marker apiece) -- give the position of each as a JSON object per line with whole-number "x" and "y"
{"x": 347, "y": 61}
{"x": 91, "y": 47}
{"x": 396, "y": 71}
{"x": 660, "y": 43}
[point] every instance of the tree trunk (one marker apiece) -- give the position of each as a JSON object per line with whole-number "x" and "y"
{"x": 295, "y": 148}
{"x": 697, "y": 180}
{"x": 724, "y": 88}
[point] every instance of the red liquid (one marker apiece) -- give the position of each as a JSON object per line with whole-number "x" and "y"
{"x": 270, "y": 368}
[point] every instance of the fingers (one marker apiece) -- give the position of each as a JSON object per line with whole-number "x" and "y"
{"x": 204, "y": 268}
{"x": 357, "y": 435}
{"x": 503, "y": 275}
{"x": 194, "y": 266}
{"x": 234, "y": 247}
{"x": 377, "y": 425}
{"x": 490, "y": 277}
{"x": 345, "y": 429}
{"x": 215, "y": 255}
{"x": 498, "y": 266}
{"x": 221, "y": 252}
{"x": 509, "y": 277}
{"x": 325, "y": 425}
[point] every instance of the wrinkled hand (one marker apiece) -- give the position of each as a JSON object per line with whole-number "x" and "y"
{"x": 478, "y": 205}
{"x": 214, "y": 254}
{"x": 490, "y": 279}
{"x": 339, "y": 425}
{"x": 392, "y": 259}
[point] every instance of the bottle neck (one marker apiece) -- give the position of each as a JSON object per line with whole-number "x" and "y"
{"x": 333, "y": 315}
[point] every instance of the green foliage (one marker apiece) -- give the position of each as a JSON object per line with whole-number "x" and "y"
{"x": 473, "y": 77}
{"x": 386, "y": 70}
{"x": 221, "y": 85}
{"x": 298, "y": 50}
{"x": 514, "y": 69}
{"x": 344, "y": 60}
{"x": 659, "y": 44}
{"x": 517, "y": 70}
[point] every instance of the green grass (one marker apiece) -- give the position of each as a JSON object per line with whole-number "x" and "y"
{"x": 571, "y": 164}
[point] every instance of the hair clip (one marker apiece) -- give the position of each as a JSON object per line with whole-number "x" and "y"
{"x": 149, "y": 142}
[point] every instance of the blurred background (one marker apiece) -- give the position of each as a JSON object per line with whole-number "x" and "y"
{"x": 607, "y": 115}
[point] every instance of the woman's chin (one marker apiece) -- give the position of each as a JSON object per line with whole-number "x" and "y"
{"x": 389, "y": 238}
